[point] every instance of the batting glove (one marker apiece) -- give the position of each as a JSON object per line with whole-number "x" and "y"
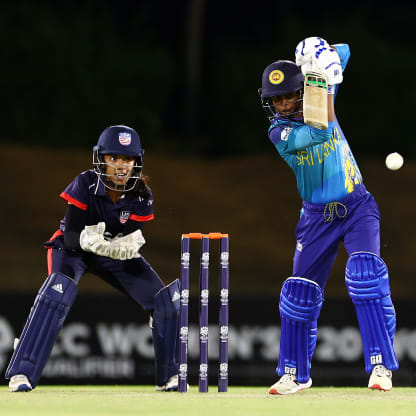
{"x": 308, "y": 47}
{"x": 328, "y": 63}
{"x": 316, "y": 55}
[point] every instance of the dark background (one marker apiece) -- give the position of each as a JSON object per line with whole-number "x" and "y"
{"x": 185, "y": 75}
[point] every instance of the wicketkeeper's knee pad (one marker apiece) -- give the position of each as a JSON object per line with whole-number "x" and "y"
{"x": 165, "y": 331}
{"x": 300, "y": 304}
{"x": 367, "y": 281}
{"x": 46, "y": 318}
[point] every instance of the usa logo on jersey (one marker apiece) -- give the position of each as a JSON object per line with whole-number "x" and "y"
{"x": 124, "y": 216}
{"x": 124, "y": 138}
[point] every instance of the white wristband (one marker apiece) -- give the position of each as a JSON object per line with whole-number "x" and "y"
{"x": 331, "y": 89}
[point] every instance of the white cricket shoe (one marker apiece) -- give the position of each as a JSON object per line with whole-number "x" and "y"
{"x": 287, "y": 384}
{"x": 171, "y": 385}
{"x": 380, "y": 378}
{"x": 19, "y": 382}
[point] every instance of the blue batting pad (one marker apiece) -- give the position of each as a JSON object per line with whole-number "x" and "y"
{"x": 165, "y": 331}
{"x": 46, "y": 318}
{"x": 300, "y": 304}
{"x": 367, "y": 280}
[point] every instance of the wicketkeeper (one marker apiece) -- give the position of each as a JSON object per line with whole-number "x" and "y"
{"x": 336, "y": 208}
{"x": 101, "y": 234}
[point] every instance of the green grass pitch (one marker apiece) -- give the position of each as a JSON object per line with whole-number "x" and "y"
{"x": 239, "y": 401}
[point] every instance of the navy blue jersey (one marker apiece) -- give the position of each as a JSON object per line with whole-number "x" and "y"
{"x": 88, "y": 193}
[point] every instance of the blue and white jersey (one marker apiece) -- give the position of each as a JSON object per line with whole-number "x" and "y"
{"x": 322, "y": 160}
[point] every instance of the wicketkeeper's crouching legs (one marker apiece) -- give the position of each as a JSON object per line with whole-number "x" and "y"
{"x": 300, "y": 305}
{"x": 367, "y": 281}
{"x": 46, "y": 318}
{"x": 165, "y": 335}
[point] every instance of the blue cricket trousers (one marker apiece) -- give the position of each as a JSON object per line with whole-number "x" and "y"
{"x": 354, "y": 220}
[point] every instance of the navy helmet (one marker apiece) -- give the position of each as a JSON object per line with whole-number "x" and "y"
{"x": 118, "y": 140}
{"x": 280, "y": 78}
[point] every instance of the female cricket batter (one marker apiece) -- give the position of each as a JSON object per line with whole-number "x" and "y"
{"x": 336, "y": 207}
{"x": 101, "y": 234}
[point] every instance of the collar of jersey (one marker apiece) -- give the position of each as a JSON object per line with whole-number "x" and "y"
{"x": 101, "y": 190}
{"x": 284, "y": 122}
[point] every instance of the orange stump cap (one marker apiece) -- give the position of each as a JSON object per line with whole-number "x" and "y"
{"x": 199, "y": 236}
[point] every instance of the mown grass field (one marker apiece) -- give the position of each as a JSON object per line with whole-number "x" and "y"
{"x": 239, "y": 401}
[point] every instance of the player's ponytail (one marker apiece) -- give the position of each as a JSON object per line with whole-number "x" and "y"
{"x": 141, "y": 189}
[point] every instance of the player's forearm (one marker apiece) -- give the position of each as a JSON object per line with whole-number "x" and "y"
{"x": 344, "y": 53}
{"x": 75, "y": 221}
{"x": 71, "y": 240}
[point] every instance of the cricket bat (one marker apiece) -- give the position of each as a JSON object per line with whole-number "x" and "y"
{"x": 315, "y": 100}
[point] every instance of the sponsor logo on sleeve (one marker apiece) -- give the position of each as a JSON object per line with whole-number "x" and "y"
{"x": 284, "y": 135}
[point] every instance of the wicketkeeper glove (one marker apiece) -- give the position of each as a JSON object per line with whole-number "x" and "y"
{"x": 92, "y": 239}
{"x": 126, "y": 247}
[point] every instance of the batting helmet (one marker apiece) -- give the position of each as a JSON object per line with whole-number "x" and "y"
{"x": 279, "y": 78}
{"x": 118, "y": 140}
